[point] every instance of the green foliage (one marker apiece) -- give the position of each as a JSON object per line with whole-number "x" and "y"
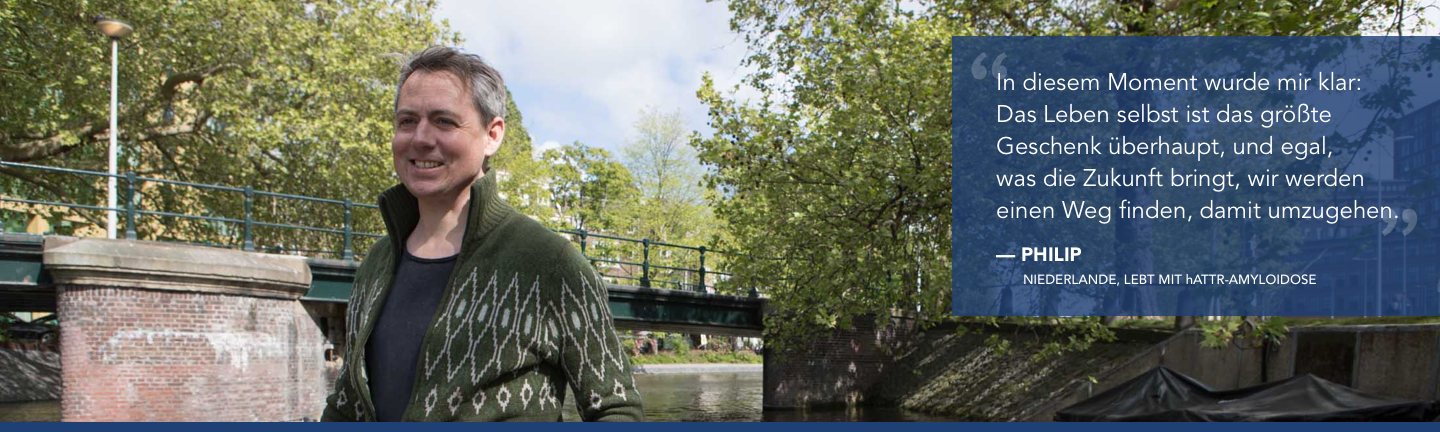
{"x": 1147, "y": 323}
{"x": 998, "y": 343}
{"x": 835, "y": 179}
{"x": 662, "y": 160}
{"x": 669, "y": 206}
{"x": 678, "y": 344}
{"x": 1064, "y": 334}
{"x": 590, "y": 189}
{"x": 835, "y": 183}
{"x": 1272, "y": 331}
{"x": 1218, "y": 334}
{"x": 6, "y": 320}
{"x": 292, "y": 97}
{"x": 1221, "y": 333}
{"x": 651, "y": 193}
{"x": 523, "y": 178}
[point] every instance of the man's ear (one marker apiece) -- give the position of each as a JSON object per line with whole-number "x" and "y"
{"x": 496, "y": 133}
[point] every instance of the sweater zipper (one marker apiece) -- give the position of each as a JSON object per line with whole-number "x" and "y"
{"x": 363, "y": 376}
{"x": 416, "y": 387}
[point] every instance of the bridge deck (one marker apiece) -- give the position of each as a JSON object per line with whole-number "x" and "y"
{"x": 25, "y": 286}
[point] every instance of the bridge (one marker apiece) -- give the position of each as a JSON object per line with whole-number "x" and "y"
{"x": 233, "y": 324}
{"x": 26, "y": 285}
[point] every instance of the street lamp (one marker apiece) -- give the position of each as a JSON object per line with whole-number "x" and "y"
{"x": 1380, "y": 253}
{"x": 1365, "y": 284}
{"x": 1405, "y": 235}
{"x": 114, "y": 29}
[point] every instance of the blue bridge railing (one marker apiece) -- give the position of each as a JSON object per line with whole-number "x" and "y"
{"x": 651, "y": 271}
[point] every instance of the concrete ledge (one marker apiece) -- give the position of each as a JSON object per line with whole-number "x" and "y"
{"x": 1370, "y": 328}
{"x": 697, "y": 368}
{"x": 171, "y": 267}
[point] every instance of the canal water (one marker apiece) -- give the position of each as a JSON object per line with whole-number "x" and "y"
{"x": 673, "y": 397}
{"x": 727, "y": 397}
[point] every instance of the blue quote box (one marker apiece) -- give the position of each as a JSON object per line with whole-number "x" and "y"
{"x": 1161, "y": 176}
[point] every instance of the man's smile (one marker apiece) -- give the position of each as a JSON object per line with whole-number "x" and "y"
{"x": 424, "y": 164}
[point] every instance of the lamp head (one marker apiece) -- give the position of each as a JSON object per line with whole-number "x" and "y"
{"x": 112, "y": 27}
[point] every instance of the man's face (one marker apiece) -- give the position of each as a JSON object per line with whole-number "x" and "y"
{"x": 440, "y": 143}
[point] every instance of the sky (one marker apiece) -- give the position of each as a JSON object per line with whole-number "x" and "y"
{"x": 582, "y": 71}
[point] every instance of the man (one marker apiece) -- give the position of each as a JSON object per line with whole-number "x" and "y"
{"x": 468, "y": 310}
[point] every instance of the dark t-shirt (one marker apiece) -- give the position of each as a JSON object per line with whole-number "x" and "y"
{"x": 392, "y": 355}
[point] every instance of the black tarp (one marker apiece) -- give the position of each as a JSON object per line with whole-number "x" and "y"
{"x": 1165, "y": 395}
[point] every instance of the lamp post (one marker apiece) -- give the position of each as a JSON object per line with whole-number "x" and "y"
{"x": 1365, "y": 284}
{"x": 1405, "y": 235}
{"x": 1380, "y": 254}
{"x": 114, "y": 29}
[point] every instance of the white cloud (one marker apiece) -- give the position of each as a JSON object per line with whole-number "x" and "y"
{"x": 583, "y": 70}
{"x": 547, "y": 145}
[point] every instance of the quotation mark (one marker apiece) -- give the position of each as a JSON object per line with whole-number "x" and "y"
{"x": 978, "y": 70}
{"x": 1408, "y": 216}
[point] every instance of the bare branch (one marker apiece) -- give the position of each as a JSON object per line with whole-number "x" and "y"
{"x": 167, "y": 131}
{"x": 168, "y": 89}
{"x": 42, "y": 148}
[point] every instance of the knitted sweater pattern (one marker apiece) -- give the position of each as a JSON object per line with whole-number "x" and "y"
{"x": 524, "y": 317}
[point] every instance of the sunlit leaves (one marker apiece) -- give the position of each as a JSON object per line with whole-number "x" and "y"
{"x": 834, "y": 160}
{"x": 283, "y": 96}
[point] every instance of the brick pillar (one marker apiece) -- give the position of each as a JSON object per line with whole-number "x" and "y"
{"x": 836, "y": 368}
{"x": 162, "y": 332}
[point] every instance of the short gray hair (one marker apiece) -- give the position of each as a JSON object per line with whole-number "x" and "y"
{"x": 487, "y": 88}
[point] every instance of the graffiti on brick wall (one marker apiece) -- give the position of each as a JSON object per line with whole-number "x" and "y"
{"x": 189, "y": 347}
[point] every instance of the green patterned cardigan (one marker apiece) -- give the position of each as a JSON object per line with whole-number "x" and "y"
{"x": 523, "y": 318}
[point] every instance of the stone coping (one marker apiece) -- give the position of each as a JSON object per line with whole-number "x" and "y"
{"x": 1369, "y": 328}
{"x": 696, "y": 368}
{"x": 151, "y": 265}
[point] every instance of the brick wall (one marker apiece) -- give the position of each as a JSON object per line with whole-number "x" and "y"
{"x": 139, "y": 355}
{"x": 836, "y": 368}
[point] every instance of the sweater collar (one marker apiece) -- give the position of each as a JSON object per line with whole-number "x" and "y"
{"x": 401, "y": 211}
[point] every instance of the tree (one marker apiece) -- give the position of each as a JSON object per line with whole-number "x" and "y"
{"x": 523, "y": 179}
{"x": 666, "y": 173}
{"x": 835, "y": 181}
{"x": 292, "y": 97}
{"x": 834, "y": 184}
{"x": 671, "y": 206}
{"x": 589, "y": 189}
{"x": 592, "y": 191}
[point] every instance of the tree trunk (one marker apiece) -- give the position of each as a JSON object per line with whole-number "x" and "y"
{"x": 1183, "y": 322}
{"x": 1133, "y": 236}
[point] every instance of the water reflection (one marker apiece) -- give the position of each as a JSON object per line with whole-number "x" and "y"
{"x": 730, "y": 397}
